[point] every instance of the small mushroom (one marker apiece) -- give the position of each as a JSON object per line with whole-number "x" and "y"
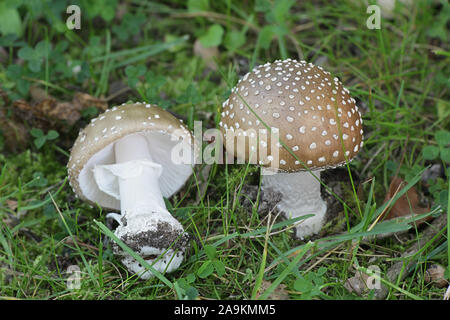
{"x": 313, "y": 115}
{"x": 125, "y": 160}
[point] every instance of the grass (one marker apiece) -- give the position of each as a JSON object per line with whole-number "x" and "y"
{"x": 398, "y": 74}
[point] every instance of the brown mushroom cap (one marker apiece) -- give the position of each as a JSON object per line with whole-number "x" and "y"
{"x": 95, "y": 146}
{"x": 314, "y": 114}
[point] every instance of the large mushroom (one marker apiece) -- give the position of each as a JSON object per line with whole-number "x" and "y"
{"x": 128, "y": 159}
{"x": 316, "y": 119}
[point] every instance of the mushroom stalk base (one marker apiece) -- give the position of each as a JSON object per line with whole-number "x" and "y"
{"x": 301, "y": 196}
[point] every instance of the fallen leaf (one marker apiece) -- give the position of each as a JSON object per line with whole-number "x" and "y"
{"x": 44, "y": 112}
{"x": 357, "y": 284}
{"x": 37, "y": 94}
{"x": 279, "y": 293}
{"x": 57, "y": 111}
{"x": 11, "y": 204}
{"x": 208, "y": 54}
{"x": 407, "y": 205}
{"x": 47, "y": 112}
{"x": 84, "y": 100}
{"x": 435, "y": 274}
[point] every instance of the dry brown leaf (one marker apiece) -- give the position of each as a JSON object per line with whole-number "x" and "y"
{"x": 37, "y": 94}
{"x": 55, "y": 111}
{"x": 84, "y": 100}
{"x": 407, "y": 204}
{"x": 49, "y": 112}
{"x": 357, "y": 283}
{"x": 279, "y": 293}
{"x": 11, "y": 204}
{"x": 208, "y": 54}
{"x": 43, "y": 112}
{"x": 435, "y": 274}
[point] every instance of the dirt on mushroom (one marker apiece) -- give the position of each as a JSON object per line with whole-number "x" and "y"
{"x": 165, "y": 237}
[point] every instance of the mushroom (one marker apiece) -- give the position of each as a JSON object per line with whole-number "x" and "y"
{"x": 314, "y": 116}
{"x": 125, "y": 160}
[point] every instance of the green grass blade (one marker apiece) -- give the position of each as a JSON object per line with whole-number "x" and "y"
{"x": 286, "y": 271}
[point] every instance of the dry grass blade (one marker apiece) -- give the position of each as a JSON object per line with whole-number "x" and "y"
{"x": 385, "y": 209}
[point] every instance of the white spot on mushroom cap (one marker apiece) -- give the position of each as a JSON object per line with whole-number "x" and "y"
{"x": 295, "y": 77}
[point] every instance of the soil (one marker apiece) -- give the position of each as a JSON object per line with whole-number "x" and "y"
{"x": 164, "y": 237}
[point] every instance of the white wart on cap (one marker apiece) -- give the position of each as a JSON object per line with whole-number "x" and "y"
{"x": 315, "y": 115}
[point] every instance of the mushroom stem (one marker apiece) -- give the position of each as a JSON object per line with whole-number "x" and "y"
{"x": 145, "y": 224}
{"x": 139, "y": 187}
{"x": 301, "y": 196}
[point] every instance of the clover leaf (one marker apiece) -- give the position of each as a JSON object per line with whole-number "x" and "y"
{"x": 41, "y": 138}
{"x": 35, "y": 56}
